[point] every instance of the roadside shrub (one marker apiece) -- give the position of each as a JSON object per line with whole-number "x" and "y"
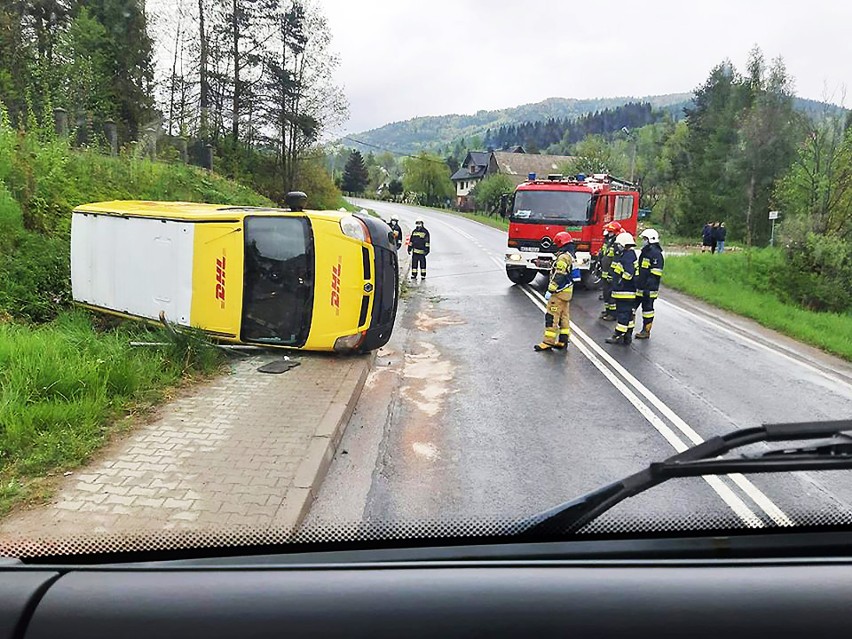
{"x": 818, "y": 271}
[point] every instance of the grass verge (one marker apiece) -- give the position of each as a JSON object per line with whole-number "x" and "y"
{"x": 65, "y": 385}
{"x": 738, "y": 283}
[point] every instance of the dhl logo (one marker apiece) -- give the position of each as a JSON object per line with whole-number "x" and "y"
{"x": 335, "y": 287}
{"x": 220, "y": 280}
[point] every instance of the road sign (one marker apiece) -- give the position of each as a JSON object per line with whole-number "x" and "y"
{"x": 773, "y": 215}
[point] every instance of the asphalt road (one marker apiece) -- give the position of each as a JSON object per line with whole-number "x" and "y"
{"x": 462, "y": 420}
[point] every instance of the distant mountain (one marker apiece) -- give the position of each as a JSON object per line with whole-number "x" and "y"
{"x": 430, "y": 132}
{"x": 413, "y": 135}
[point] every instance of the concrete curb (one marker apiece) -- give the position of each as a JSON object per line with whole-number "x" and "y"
{"x": 322, "y": 447}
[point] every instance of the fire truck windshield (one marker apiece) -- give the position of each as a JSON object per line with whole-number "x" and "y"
{"x": 567, "y": 207}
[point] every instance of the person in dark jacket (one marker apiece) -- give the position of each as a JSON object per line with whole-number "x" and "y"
{"x": 396, "y": 229}
{"x": 707, "y": 237}
{"x": 648, "y": 279}
{"x": 418, "y": 248}
{"x": 625, "y": 266}
{"x": 721, "y": 234}
{"x": 605, "y": 257}
{"x": 714, "y": 237}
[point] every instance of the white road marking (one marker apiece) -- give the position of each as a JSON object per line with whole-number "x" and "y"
{"x": 730, "y": 498}
{"x": 727, "y": 495}
{"x": 763, "y": 502}
{"x": 718, "y": 326}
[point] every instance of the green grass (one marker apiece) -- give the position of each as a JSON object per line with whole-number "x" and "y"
{"x": 742, "y": 283}
{"x": 65, "y": 383}
{"x": 63, "y": 386}
{"x": 488, "y": 220}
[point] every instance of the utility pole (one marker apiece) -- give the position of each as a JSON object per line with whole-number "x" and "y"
{"x": 632, "y": 137}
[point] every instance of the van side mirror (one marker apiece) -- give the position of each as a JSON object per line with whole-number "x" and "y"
{"x": 296, "y": 200}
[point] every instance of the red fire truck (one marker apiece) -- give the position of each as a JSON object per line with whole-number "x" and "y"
{"x": 581, "y": 205}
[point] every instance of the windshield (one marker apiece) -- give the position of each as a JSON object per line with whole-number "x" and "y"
{"x": 565, "y": 207}
{"x": 278, "y": 280}
{"x": 210, "y": 336}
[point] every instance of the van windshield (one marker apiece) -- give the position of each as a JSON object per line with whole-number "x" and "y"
{"x": 566, "y": 207}
{"x": 278, "y": 280}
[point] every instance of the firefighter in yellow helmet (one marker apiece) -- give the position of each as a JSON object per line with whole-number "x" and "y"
{"x": 560, "y": 290}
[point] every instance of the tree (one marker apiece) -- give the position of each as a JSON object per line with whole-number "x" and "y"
{"x": 452, "y": 163}
{"x": 355, "y": 175}
{"x": 595, "y": 155}
{"x": 713, "y": 187}
{"x": 428, "y": 177}
{"x": 487, "y": 193}
{"x": 130, "y": 51}
{"x": 766, "y": 139}
{"x": 395, "y": 187}
{"x": 85, "y": 70}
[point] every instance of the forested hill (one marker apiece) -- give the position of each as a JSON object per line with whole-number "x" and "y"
{"x": 427, "y": 132}
{"x": 430, "y": 132}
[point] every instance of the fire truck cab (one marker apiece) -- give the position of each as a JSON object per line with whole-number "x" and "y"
{"x": 581, "y": 205}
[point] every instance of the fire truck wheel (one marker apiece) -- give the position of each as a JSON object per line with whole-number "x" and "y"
{"x": 520, "y": 275}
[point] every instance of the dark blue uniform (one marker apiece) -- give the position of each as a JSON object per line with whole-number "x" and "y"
{"x": 418, "y": 246}
{"x": 606, "y": 257}
{"x": 624, "y": 269}
{"x": 648, "y": 284}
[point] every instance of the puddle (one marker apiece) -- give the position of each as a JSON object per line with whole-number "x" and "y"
{"x": 427, "y": 376}
{"x": 428, "y": 323}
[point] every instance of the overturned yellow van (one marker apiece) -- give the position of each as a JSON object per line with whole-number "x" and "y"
{"x": 315, "y": 280}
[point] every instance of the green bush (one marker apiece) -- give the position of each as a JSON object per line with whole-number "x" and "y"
{"x": 818, "y": 272}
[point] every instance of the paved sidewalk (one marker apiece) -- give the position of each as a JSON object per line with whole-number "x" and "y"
{"x": 246, "y": 449}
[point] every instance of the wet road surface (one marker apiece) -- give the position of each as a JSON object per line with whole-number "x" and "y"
{"x": 460, "y": 418}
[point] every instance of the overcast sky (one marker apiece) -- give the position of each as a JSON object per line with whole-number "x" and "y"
{"x": 403, "y": 58}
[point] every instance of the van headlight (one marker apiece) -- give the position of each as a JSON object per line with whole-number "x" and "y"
{"x": 355, "y": 228}
{"x": 514, "y": 257}
{"x": 348, "y": 342}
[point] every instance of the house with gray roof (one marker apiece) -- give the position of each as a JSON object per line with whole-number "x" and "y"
{"x": 515, "y": 163}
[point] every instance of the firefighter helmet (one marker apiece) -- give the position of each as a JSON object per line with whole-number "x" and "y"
{"x": 651, "y": 235}
{"x": 562, "y": 238}
{"x": 394, "y": 218}
{"x": 625, "y": 240}
{"x": 613, "y": 228}
{"x": 418, "y": 222}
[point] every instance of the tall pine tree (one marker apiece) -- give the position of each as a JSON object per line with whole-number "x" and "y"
{"x": 355, "y": 175}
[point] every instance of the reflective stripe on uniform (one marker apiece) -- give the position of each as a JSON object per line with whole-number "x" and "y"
{"x": 565, "y": 331}
{"x": 657, "y": 271}
{"x": 647, "y": 314}
{"x": 623, "y": 295}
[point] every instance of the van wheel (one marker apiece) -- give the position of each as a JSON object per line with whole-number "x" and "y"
{"x": 520, "y": 275}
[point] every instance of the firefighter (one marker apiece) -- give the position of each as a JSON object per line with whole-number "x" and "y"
{"x": 397, "y": 231}
{"x": 605, "y": 256}
{"x": 418, "y": 248}
{"x": 624, "y": 268}
{"x": 560, "y": 290}
{"x": 648, "y": 279}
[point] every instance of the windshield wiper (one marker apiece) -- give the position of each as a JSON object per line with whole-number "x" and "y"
{"x": 834, "y": 453}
